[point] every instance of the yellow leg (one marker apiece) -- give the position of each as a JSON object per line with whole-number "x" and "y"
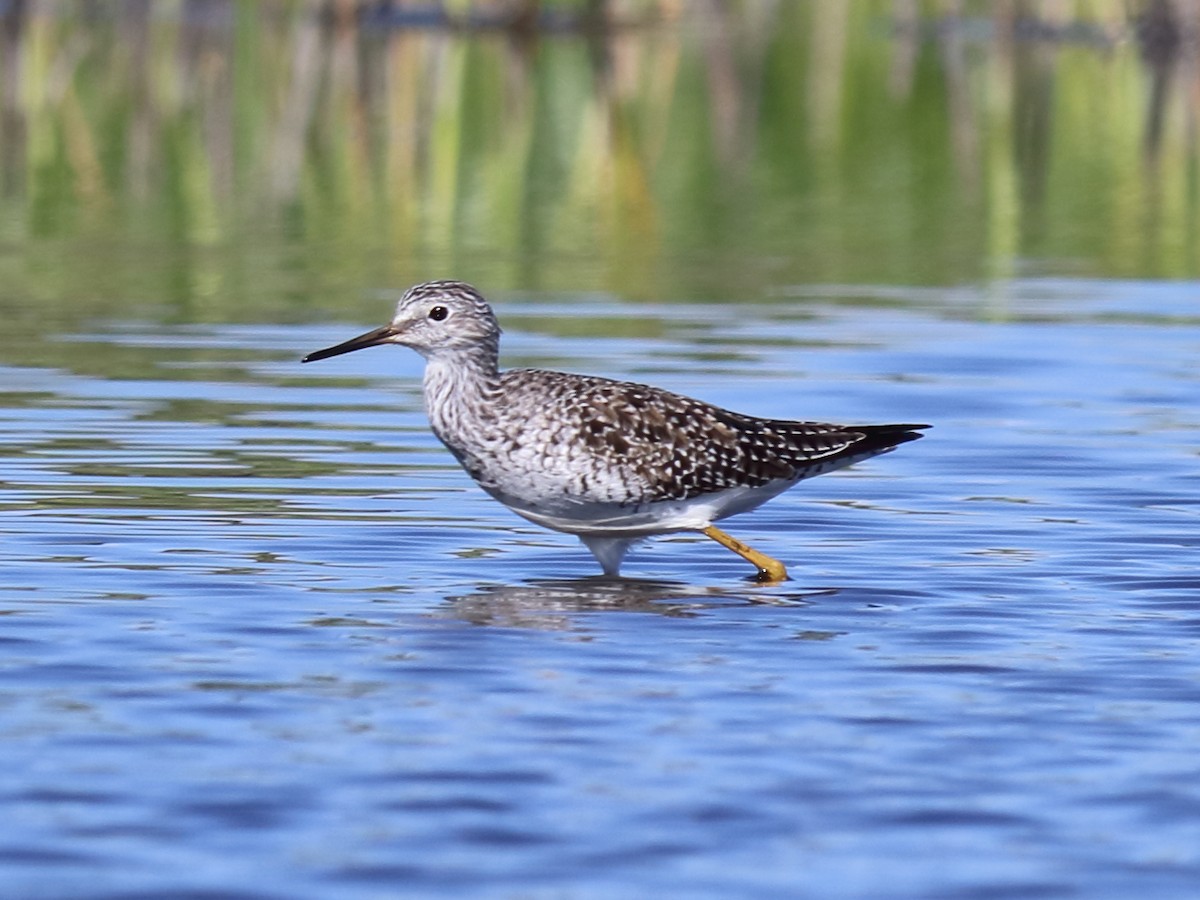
{"x": 769, "y": 570}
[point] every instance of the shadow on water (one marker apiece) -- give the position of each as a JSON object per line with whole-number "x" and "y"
{"x": 552, "y": 604}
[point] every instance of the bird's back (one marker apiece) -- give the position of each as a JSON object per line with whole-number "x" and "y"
{"x": 591, "y": 440}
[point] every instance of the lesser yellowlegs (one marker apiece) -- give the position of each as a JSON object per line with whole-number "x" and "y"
{"x": 609, "y": 461}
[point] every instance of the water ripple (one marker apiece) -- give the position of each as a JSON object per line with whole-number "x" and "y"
{"x": 272, "y": 620}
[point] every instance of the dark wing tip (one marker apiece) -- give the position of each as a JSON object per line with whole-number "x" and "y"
{"x": 887, "y": 436}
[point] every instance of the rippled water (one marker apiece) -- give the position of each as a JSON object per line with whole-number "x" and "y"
{"x": 261, "y": 638}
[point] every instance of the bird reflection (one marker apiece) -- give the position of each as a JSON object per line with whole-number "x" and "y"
{"x": 554, "y": 604}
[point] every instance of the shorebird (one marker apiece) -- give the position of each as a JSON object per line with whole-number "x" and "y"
{"x": 611, "y": 462}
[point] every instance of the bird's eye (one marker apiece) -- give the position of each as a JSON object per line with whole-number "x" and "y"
{"x": 438, "y": 313}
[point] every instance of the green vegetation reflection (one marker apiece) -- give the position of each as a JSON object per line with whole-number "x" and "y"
{"x": 276, "y": 161}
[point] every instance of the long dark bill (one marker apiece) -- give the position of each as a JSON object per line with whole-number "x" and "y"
{"x": 370, "y": 339}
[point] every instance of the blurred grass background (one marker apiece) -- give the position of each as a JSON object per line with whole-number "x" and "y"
{"x": 279, "y": 161}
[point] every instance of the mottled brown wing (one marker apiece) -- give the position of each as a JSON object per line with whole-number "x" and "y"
{"x": 766, "y": 450}
{"x": 679, "y": 448}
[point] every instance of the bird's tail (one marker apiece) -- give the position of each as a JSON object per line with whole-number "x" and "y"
{"x": 882, "y": 438}
{"x": 876, "y": 439}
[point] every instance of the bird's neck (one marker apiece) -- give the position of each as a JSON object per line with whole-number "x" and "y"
{"x": 460, "y": 390}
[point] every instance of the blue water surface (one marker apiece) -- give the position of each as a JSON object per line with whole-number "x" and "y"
{"x": 260, "y": 637}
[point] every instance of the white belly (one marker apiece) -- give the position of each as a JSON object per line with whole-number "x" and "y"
{"x": 641, "y": 520}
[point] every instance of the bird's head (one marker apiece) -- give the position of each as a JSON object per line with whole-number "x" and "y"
{"x": 437, "y": 318}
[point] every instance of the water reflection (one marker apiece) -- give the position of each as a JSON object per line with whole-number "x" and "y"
{"x": 710, "y": 154}
{"x": 266, "y": 592}
{"x": 553, "y": 605}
